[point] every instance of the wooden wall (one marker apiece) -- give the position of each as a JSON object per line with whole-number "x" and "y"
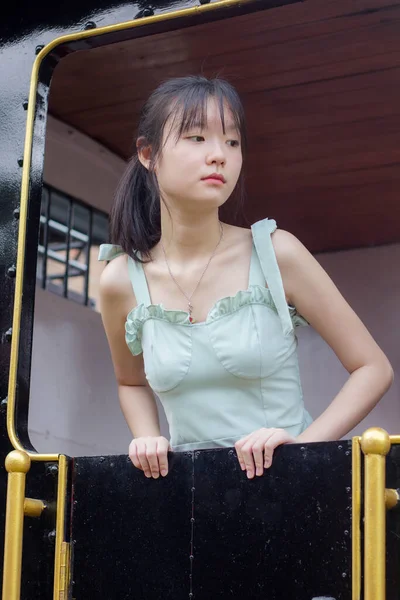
{"x": 320, "y": 81}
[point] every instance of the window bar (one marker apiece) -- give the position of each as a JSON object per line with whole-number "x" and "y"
{"x": 46, "y": 240}
{"x": 70, "y": 208}
{"x": 88, "y": 249}
{"x": 59, "y": 227}
{"x": 56, "y": 257}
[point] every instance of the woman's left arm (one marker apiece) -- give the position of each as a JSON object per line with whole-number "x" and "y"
{"x": 310, "y": 289}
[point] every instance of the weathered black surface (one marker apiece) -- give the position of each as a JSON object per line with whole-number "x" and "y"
{"x": 39, "y": 540}
{"x": 131, "y": 536}
{"x": 286, "y": 535}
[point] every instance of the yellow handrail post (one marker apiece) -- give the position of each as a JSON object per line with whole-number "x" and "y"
{"x": 17, "y": 464}
{"x": 375, "y": 444}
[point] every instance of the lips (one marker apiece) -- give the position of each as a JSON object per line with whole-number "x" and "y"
{"x": 216, "y": 176}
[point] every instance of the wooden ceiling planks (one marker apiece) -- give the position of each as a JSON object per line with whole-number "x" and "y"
{"x": 320, "y": 82}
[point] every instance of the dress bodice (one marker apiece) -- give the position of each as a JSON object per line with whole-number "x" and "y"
{"x": 237, "y": 371}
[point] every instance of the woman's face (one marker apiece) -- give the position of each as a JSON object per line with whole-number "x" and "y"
{"x": 185, "y": 166}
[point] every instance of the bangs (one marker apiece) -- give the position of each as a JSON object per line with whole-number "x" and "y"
{"x": 189, "y": 108}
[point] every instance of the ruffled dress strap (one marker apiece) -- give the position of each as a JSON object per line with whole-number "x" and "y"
{"x": 262, "y": 231}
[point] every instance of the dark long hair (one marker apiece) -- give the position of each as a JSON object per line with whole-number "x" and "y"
{"x": 135, "y": 218}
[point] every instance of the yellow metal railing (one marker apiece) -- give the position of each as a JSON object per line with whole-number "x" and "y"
{"x": 17, "y": 465}
{"x": 376, "y": 444}
{"x": 18, "y": 507}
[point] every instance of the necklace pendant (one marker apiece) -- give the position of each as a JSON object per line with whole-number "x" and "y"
{"x": 191, "y": 320}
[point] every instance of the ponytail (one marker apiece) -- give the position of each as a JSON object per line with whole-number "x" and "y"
{"x": 135, "y": 221}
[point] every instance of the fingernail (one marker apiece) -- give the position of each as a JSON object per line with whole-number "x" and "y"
{"x": 148, "y": 475}
{"x": 249, "y": 474}
{"x": 164, "y": 472}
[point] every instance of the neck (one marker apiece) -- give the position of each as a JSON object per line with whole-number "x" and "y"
{"x": 188, "y": 239}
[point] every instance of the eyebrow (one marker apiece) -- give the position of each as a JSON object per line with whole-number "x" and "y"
{"x": 229, "y": 128}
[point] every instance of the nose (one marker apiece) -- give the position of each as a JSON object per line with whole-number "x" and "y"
{"x": 216, "y": 154}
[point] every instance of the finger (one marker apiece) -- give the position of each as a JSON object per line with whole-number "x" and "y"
{"x": 247, "y": 454}
{"x": 152, "y": 458}
{"x": 162, "y": 453}
{"x": 258, "y": 456}
{"x": 141, "y": 453}
{"x": 238, "y": 447}
{"x": 133, "y": 456}
{"x": 277, "y": 438}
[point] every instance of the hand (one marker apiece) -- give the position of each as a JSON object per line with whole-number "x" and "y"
{"x": 255, "y": 450}
{"x": 150, "y": 454}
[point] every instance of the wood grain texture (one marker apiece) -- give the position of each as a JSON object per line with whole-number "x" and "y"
{"x": 320, "y": 82}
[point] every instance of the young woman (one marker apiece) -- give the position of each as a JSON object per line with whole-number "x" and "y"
{"x": 204, "y": 313}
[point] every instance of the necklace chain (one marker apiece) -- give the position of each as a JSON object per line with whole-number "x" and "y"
{"x": 189, "y": 298}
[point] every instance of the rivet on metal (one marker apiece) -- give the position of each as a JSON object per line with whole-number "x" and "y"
{"x": 90, "y": 25}
{"x": 8, "y": 335}
{"x": 51, "y": 536}
{"x": 20, "y": 162}
{"x": 16, "y": 213}
{"x": 52, "y": 470}
{"x": 11, "y": 272}
{"x": 39, "y": 49}
{"x": 3, "y": 403}
{"x": 25, "y": 104}
{"x": 145, "y": 12}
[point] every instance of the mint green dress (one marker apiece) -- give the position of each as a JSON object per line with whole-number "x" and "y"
{"x": 232, "y": 374}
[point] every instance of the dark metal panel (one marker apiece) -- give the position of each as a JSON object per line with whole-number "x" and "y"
{"x": 39, "y": 534}
{"x": 284, "y": 535}
{"x": 131, "y": 535}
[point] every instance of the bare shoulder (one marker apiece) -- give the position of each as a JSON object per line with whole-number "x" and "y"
{"x": 288, "y": 248}
{"x": 295, "y": 262}
{"x": 115, "y": 285}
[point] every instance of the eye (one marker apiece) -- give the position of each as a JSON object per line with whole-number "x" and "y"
{"x": 196, "y": 138}
{"x": 233, "y": 143}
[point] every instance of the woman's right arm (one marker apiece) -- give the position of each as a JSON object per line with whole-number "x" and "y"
{"x": 148, "y": 450}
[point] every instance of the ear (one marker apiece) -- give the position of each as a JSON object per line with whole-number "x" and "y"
{"x": 144, "y": 152}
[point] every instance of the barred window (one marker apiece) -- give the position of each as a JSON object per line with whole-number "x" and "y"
{"x": 70, "y": 234}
